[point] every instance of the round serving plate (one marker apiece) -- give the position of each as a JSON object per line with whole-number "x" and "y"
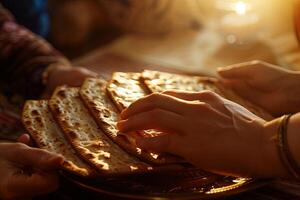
{"x": 185, "y": 184}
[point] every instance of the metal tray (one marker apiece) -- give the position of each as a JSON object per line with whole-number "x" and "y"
{"x": 184, "y": 184}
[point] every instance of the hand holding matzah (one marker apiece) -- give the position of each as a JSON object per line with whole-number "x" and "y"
{"x": 81, "y": 124}
{"x": 27, "y": 171}
{"x": 206, "y": 129}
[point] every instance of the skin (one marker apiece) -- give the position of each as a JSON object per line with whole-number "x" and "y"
{"x": 263, "y": 83}
{"x": 67, "y": 75}
{"x": 25, "y": 171}
{"x": 219, "y": 135}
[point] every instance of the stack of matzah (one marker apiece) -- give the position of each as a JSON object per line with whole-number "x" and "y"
{"x": 80, "y": 123}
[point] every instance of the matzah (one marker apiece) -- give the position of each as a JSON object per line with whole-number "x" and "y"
{"x": 125, "y": 88}
{"x": 42, "y": 127}
{"x": 87, "y": 139}
{"x": 93, "y": 92}
{"x": 161, "y": 81}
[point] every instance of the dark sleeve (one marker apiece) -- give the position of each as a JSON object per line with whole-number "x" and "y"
{"x": 23, "y": 58}
{"x": 33, "y": 14}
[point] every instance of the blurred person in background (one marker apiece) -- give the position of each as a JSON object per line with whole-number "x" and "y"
{"x": 33, "y": 14}
{"x": 148, "y": 17}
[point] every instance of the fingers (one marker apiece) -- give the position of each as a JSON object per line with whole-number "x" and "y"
{"x": 204, "y": 96}
{"x": 238, "y": 71}
{"x": 158, "y": 112}
{"x": 77, "y": 75}
{"x": 167, "y": 143}
{"x": 212, "y": 100}
{"x": 153, "y": 101}
{"x": 66, "y": 75}
{"x": 36, "y": 158}
{"x": 24, "y": 186}
{"x": 159, "y": 119}
{"x": 85, "y": 72}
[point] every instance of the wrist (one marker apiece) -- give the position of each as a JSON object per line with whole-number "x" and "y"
{"x": 273, "y": 166}
{"x": 293, "y": 137}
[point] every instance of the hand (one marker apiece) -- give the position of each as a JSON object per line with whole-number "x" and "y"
{"x": 67, "y": 75}
{"x": 27, "y": 172}
{"x": 207, "y": 130}
{"x": 274, "y": 89}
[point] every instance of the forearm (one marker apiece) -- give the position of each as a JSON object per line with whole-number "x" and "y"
{"x": 23, "y": 58}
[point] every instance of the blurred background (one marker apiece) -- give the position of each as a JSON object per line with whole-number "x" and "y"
{"x": 194, "y": 36}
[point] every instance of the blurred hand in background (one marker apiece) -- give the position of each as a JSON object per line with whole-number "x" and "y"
{"x": 273, "y": 88}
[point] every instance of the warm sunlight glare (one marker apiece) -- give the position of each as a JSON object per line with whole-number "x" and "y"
{"x": 240, "y": 8}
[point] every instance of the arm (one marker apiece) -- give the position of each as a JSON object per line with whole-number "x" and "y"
{"x": 30, "y": 66}
{"x": 24, "y": 58}
{"x": 33, "y": 14}
{"x": 210, "y": 132}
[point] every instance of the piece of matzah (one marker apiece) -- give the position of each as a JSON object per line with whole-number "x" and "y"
{"x": 42, "y": 127}
{"x": 88, "y": 139}
{"x": 93, "y": 92}
{"x": 161, "y": 81}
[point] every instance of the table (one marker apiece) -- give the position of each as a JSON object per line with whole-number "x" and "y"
{"x": 190, "y": 52}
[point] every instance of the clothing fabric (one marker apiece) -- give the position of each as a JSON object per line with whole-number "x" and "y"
{"x": 23, "y": 58}
{"x": 32, "y": 14}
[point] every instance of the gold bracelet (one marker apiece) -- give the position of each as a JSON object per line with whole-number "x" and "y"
{"x": 286, "y": 156}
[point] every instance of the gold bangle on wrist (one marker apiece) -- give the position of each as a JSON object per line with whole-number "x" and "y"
{"x": 286, "y": 156}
